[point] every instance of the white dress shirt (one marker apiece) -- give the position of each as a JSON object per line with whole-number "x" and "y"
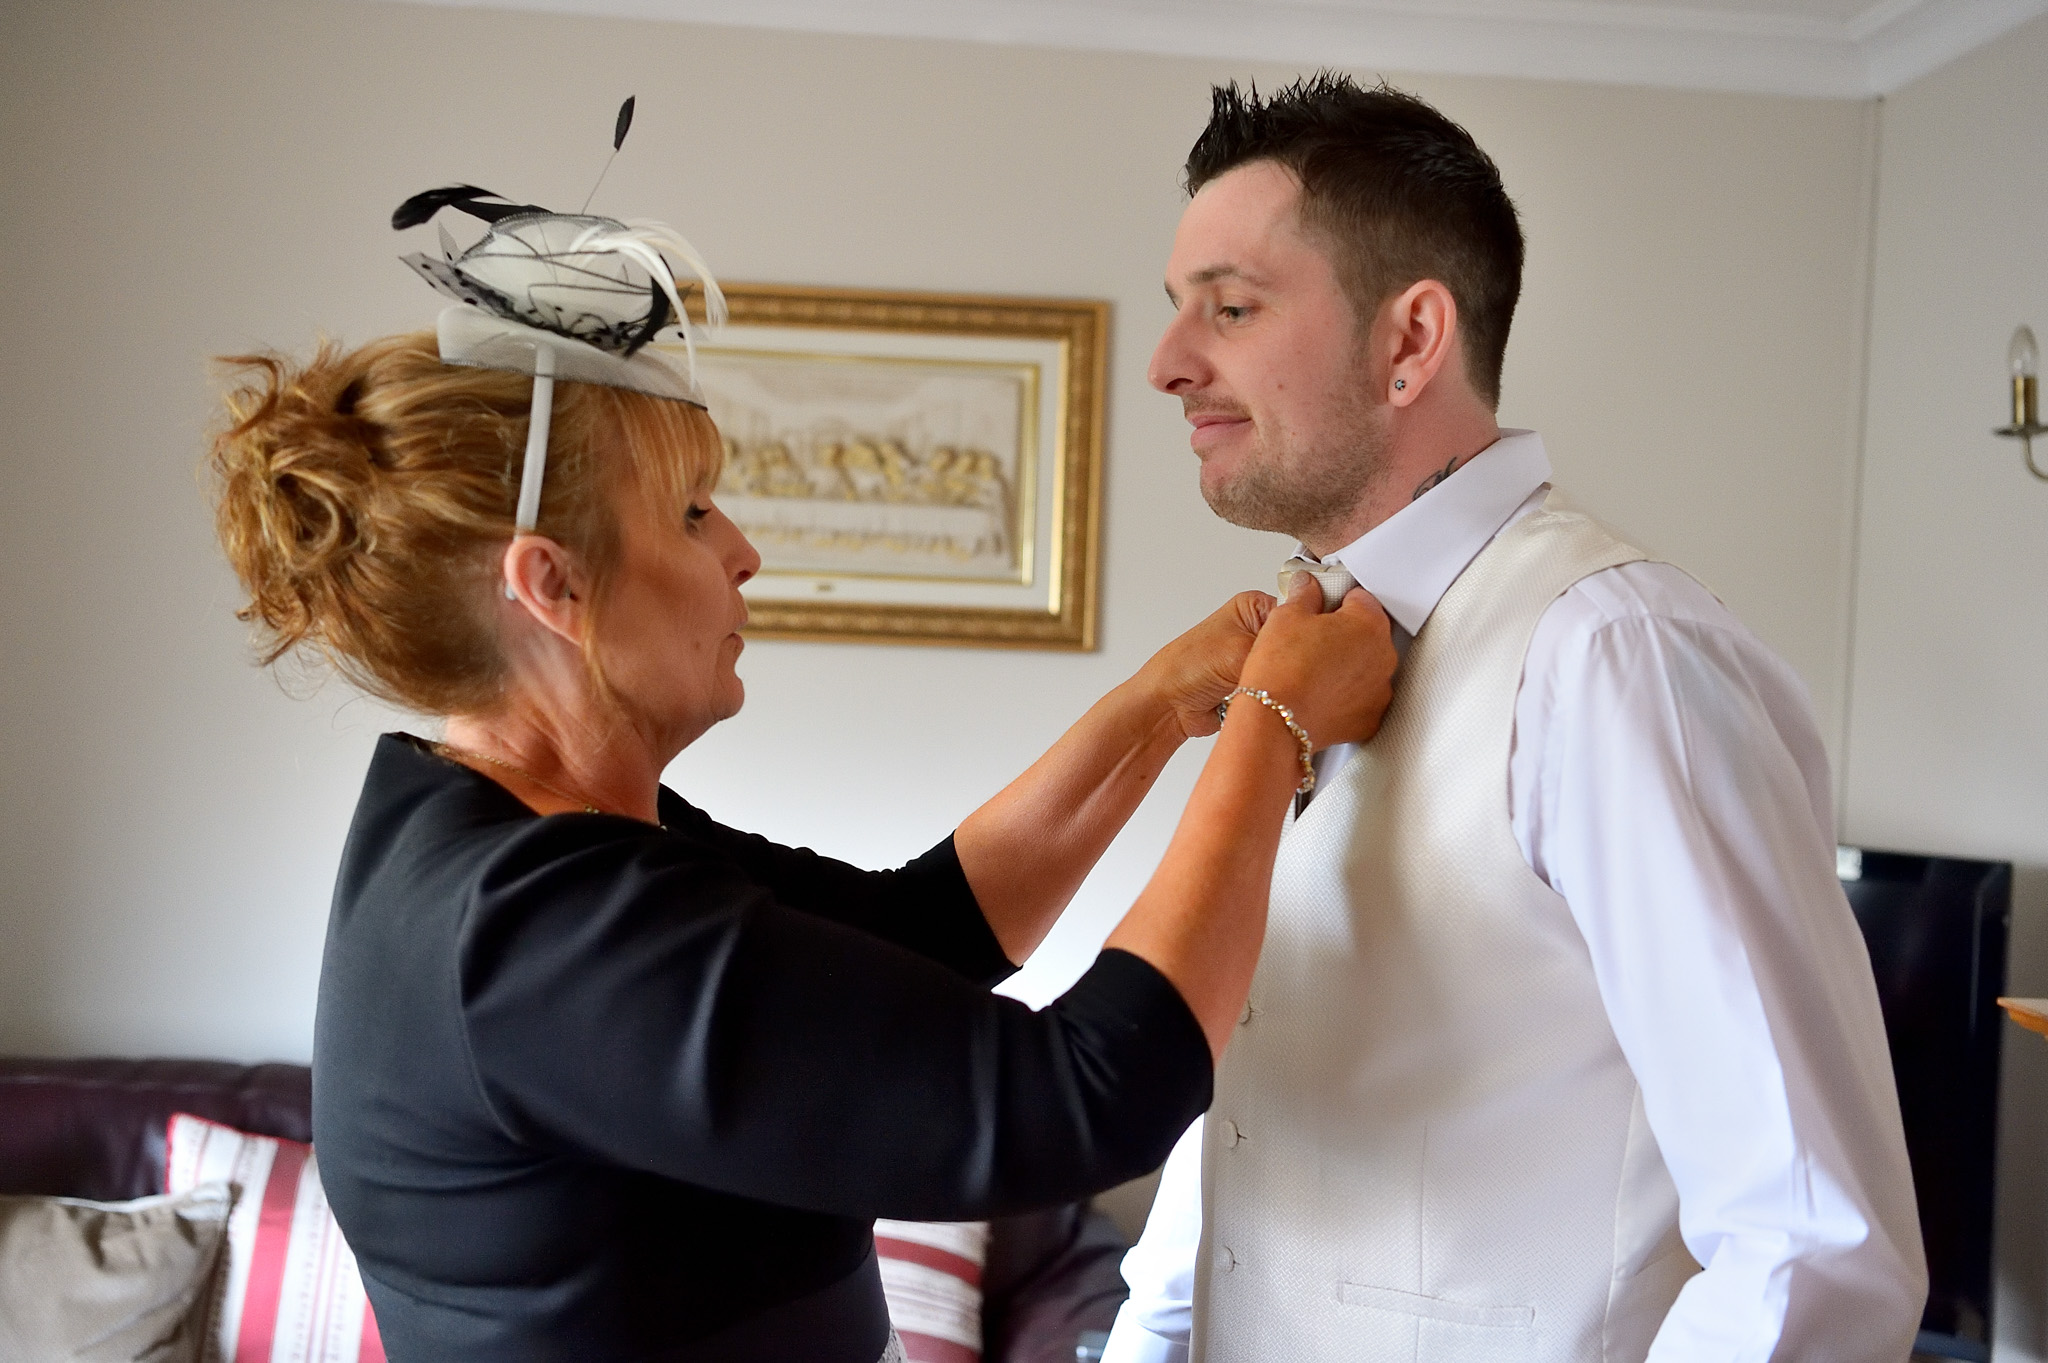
{"x": 1664, "y": 757}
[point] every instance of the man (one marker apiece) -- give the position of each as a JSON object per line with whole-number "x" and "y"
{"x": 1564, "y": 1044}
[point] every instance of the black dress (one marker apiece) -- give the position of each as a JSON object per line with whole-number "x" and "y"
{"x": 585, "y": 1089}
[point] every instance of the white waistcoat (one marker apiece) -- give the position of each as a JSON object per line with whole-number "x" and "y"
{"x": 1425, "y": 1143}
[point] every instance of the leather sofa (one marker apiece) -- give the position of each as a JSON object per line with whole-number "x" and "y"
{"x": 95, "y": 1129}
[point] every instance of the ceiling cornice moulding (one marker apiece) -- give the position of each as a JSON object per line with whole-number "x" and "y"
{"x": 1803, "y": 50}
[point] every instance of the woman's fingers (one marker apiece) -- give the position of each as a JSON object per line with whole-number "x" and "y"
{"x": 1358, "y": 598}
{"x": 1334, "y": 670}
{"x": 1372, "y": 678}
{"x": 1305, "y": 593}
{"x": 1197, "y": 670}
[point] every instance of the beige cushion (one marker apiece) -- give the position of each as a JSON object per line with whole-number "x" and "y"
{"x": 108, "y": 1280}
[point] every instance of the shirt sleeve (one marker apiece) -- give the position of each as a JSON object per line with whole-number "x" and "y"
{"x": 926, "y": 906}
{"x": 1154, "y": 1326}
{"x": 1681, "y": 809}
{"x": 630, "y": 999}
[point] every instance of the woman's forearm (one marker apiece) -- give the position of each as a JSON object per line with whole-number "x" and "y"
{"x": 1027, "y": 850}
{"x": 1201, "y": 918}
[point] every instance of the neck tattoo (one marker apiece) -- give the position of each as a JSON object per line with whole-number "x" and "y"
{"x": 1435, "y": 478}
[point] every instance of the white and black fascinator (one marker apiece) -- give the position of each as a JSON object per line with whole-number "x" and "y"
{"x": 564, "y": 295}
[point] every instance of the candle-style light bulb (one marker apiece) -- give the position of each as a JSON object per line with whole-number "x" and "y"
{"x": 2024, "y": 358}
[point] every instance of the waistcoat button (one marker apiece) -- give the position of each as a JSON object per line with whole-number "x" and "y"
{"x": 1231, "y": 1135}
{"x": 1226, "y": 1258}
{"x": 1244, "y": 1019}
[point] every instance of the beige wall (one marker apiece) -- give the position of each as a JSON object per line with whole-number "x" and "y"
{"x": 188, "y": 179}
{"x": 1948, "y": 745}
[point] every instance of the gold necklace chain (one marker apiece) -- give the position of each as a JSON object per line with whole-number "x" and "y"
{"x": 449, "y": 750}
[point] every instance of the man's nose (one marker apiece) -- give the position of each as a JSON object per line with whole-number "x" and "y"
{"x": 1176, "y": 365}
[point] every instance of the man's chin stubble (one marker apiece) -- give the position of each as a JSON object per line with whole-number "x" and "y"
{"x": 1311, "y": 513}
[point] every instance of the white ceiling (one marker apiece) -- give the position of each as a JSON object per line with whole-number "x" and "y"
{"x": 1844, "y": 49}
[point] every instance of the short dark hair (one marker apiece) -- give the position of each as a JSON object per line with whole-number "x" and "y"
{"x": 1401, "y": 193}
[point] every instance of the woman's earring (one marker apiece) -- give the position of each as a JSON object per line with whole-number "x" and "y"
{"x": 1399, "y": 384}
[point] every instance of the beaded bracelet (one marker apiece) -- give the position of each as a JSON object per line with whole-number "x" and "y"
{"x": 1308, "y": 771}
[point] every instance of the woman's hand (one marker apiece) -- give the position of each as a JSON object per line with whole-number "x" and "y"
{"x": 1335, "y": 671}
{"x": 1193, "y": 674}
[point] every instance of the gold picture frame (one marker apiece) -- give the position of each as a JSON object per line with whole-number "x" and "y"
{"x": 915, "y": 468}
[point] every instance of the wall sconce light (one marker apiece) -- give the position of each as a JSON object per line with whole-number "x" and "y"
{"x": 2024, "y": 357}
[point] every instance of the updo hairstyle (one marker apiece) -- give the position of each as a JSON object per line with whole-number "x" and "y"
{"x": 365, "y": 500}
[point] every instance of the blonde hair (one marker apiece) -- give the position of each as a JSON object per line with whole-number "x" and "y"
{"x": 365, "y": 497}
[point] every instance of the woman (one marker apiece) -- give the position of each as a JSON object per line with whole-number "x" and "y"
{"x": 598, "y": 1078}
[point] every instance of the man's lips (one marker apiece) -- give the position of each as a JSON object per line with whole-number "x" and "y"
{"x": 1212, "y": 427}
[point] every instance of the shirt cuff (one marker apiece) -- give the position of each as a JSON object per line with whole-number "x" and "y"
{"x": 1130, "y": 1342}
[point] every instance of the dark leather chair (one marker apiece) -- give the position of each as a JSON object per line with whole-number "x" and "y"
{"x": 95, "y": 1129}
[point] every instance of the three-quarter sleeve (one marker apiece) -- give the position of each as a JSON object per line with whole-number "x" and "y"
{"x": 645, "y": 1002}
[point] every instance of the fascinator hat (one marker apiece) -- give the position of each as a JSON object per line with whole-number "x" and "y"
{"x": 564, "y": 295}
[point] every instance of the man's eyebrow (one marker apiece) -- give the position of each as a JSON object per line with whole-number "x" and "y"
{"x": 1209, "y": 274}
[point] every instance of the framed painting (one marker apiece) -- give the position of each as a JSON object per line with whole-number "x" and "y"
{"x": 914, "y": 468}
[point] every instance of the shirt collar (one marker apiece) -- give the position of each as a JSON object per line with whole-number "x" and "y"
{"x": 1411, "y": 559}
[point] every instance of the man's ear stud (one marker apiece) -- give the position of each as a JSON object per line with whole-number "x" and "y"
{"x": 1399, "y": 384}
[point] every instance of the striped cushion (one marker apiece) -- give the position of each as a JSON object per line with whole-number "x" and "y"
{"x": 931, "y": 1275}
{"x": 291, "y": 1293}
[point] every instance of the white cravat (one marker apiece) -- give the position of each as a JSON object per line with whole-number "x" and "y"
{"x": 1668, "y": 780}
